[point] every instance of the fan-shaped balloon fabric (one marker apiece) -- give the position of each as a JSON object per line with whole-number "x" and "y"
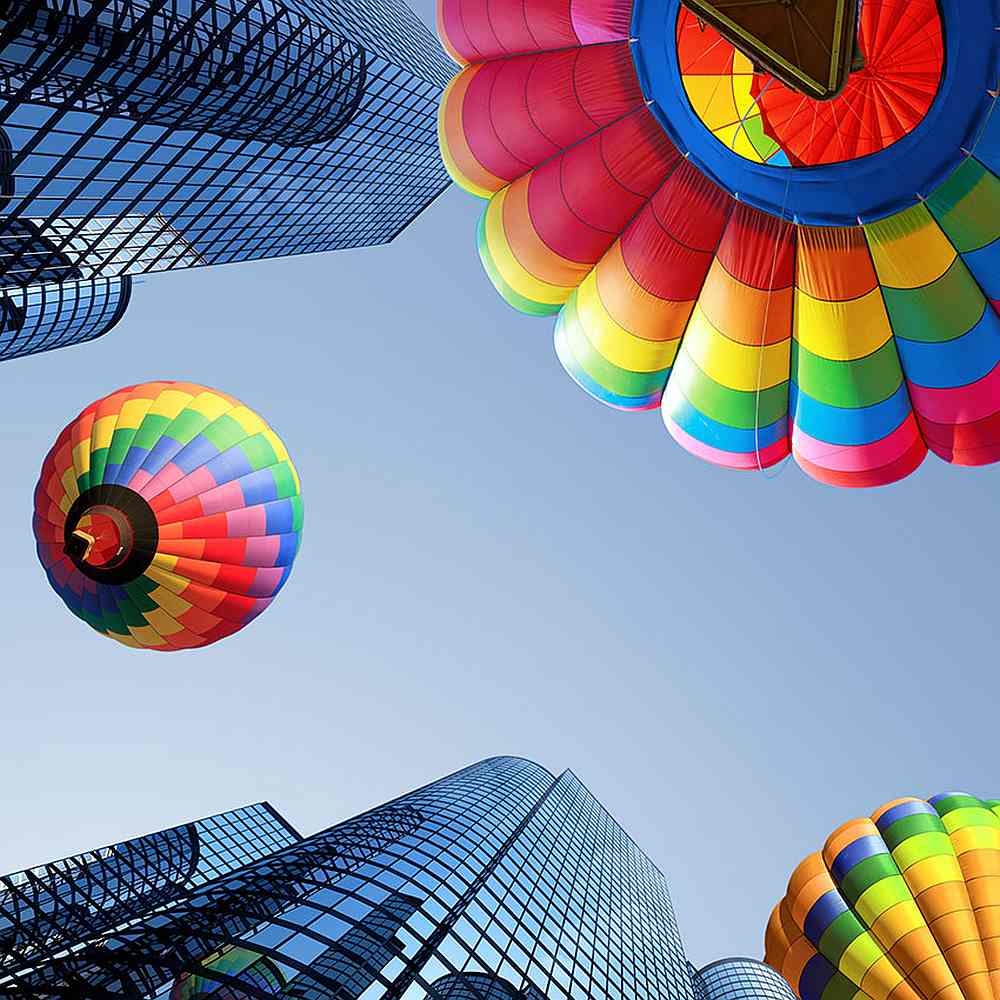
{"x": 905, "y": 905}
{"x": 167, "y": 515}
{"x": 779, "y": 275}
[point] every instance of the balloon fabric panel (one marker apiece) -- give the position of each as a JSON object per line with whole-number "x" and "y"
{"x": 948, "y": 336}
{"x": 852, "y": 419}
{"x": 881, "y": 104}
{"x": 543, "y": 233}
{"x": 619, "y": 333}
{"x": 854, "y": 348}
{"x": 730, "y": 401}
{"x": 187, "y": 486}
{"x": 902, "y": 905}
{"x": 964, "y": 209}
{"x": 477, "y": 30}
{"x": 503, "y": 118}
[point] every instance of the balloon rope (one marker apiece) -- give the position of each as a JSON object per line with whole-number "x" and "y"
{"x": 742, "y": 124}
{"x": 995, "y": 94}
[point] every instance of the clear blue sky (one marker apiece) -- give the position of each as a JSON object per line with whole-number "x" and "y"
{"x": 493, "y": 563}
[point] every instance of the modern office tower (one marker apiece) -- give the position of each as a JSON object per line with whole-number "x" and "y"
{"x": 739, "y": 979}
{"x": 145, "y": 135}
{"x": 55, "y": 307}
{"x": 499, "y": 882}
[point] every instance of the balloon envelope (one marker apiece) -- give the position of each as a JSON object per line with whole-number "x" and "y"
{"x": 778, "y": 275}
{"x": 903, "y": 905}
{"x": 167, "y": 515}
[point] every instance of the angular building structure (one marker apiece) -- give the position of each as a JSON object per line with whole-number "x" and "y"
{"x": 499, "y": 882}
{"x": 43, "y": 317}
{"x": 146, "y": 135}
{"x": 46, "y": 910}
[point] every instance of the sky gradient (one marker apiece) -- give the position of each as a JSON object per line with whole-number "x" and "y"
{"x": 494, "y": 563}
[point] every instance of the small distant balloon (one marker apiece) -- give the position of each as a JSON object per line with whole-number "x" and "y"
{"x": 167, "y": 515}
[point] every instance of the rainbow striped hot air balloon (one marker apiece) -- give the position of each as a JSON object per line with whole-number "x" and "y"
{"x": 902, "y": 906}
{"x": 779, "y": 274}
{"x": 167, "y": 515}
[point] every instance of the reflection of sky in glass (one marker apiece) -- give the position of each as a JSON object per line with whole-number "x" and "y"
{"x": 499, "y": 869}
{"x": 42, "y": 317}
{"x": 221, "y": 199}
{"x": 45, "y": 909}
{"x": 251, "y": 70}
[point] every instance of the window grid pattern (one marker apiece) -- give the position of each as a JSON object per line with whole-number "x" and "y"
{"x": 250, "y": 69}
{"x": 43, "y": 317}
{"x": 288, "y": 911}
{"x": 125, "y": 193}
{"x": 46, "y": 909}
{"x": 355, "y": 959}
{"x": 574, "y": 910}
{"x": 496, "y": 882}
{"x": 740, "y": 979}
{"x": 231, "y": 840}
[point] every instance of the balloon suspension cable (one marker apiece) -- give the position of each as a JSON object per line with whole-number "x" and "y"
{"x": 994, "y": 96}
{"x": 742, "y": 125}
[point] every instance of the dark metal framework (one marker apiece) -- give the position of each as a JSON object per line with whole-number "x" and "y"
{"x": 42, "y": 317}
{"x": 499, "y": 882}
{"x": 148, "y": 135}
{"x": 251, "y": 70}
{"x": 45, "y": 910}
{"x": 480, "y": 986}
{"x": 143, "y": 135}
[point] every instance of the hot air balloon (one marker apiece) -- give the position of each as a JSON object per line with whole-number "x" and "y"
{"x": 777, "y": 222}
{"x": 167, "y": 515}
{"x": 905, "y": 905}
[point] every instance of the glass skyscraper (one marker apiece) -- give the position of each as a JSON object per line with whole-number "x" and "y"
{"x": 145, "y": 135}
{"x": 739, "y": 979}
{"x": 499, "y": 882}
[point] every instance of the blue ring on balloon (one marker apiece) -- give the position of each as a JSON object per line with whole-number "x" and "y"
{"x": 837, "y": 194}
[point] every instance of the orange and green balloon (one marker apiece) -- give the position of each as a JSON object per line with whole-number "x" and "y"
{"x": 904, "y": 905}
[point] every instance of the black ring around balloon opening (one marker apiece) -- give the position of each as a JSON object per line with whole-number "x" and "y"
{"x": 141, "y": 520}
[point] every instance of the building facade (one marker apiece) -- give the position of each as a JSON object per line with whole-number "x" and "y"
{"x": 146, "y": 135}
{"x": 43, "y": 317}
{"x": 739, "y": 979}
{"x": 499, "y": 882}
{"x": 46, "y": 910}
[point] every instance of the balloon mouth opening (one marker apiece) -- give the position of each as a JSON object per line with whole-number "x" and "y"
{"x": 872, "y": 93}
{"x": 817, "y": 72}
{"x": 111, "y": 534}
{"x": 103, "y": 538}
